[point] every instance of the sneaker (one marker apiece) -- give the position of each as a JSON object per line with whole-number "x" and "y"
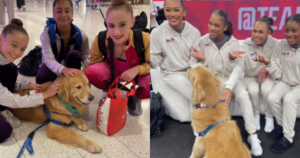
{"x": 10, "y": 118}
{"x": 282, "y": 145}
{"x": 256, "y": 149}
{"x": 257, "y": 122}
{"x": 276, "y": 133}
{"x": 269, "y": 124}
{"x": 104, "y": 95}
{"x": 134, "y": 106}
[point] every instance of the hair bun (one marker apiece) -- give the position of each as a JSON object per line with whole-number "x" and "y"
{"x": 271, "y": 20}
{"x": 117, "y": 2}
{"x": 17, "y": 22}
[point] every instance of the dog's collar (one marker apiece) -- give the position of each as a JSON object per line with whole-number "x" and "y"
{"x": 202, "y": 134}
{"x": 70, "y": 108}
{"x": 201, "y": 106}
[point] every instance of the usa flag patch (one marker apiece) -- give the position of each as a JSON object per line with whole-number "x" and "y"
{"x": 169, "y": 41}
{"x": 285, "y": 54}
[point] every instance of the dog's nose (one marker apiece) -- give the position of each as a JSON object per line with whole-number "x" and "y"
{"x": 91, "y": 97}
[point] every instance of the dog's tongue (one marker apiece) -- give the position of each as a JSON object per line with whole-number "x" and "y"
{"x": 88, "y": 103}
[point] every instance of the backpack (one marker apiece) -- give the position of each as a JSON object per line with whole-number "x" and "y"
{"x": 157, "y": 113}
{"x": 50, "y": 23}
{"x": 31, "y": 63}
{"x": 141, "y": 22}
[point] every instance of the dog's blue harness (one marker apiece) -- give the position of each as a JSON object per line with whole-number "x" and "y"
{"x": 202, "y": 134}
{"x": 28, "y": 142}
{"x": 201, "y": 106}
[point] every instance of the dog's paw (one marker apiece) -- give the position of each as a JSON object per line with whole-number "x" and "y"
{"x": 93, "y": 147}
{"x": 82, "y": 127}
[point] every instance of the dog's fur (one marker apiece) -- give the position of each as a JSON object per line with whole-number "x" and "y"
{"x": 75, "y": 91}
{"x": 224, "y": 140}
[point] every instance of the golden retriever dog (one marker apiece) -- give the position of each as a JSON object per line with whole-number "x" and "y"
{"x": 224, "y": 140}
{"x": 75, "y": 91}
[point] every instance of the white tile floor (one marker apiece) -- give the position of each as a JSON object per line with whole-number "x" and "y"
{"x": 132, "y": 141}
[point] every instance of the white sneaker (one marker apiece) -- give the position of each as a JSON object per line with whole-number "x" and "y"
{"x": 10, "y": 118}
{"x": 269, "y": 124}
{"x": 257, "y": 122}
{"x": 256, "y": 149}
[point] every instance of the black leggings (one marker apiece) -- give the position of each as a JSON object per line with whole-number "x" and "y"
{"x": 73, "y": 60}
{"x": 8, "y": 78}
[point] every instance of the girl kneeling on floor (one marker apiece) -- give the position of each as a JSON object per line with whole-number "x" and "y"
{"x": 120, "y": 20}
{"x": 13, "y": 42}
{"x": 284, "y": 97}
{"x": 65, "y": 55}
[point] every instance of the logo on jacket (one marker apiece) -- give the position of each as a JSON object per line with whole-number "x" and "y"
{"x": 285, "y": 54}
{"x": 72, "y": 46}
{"x": 169, "y": 41}
{"x": 253, "y": 54}
{"x": 208, "y": 45}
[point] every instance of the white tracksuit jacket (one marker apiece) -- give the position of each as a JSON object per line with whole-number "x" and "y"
{"x": 251, "y": 49}
{"x": 218, "y": 60}
{"x": 171, "y": 50}
{"x": 285, "y": 64}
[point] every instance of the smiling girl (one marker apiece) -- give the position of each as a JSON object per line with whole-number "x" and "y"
{"x": 257, "y": 78}
{"x": 171, "y": 45}
{"x": 284, "y": 97}
{"x": 13, "y": 42}
{"x": 64, "y": 57}
{"x": 120, "y": 20}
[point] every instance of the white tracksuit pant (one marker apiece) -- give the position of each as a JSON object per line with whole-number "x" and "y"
{"x": 180, "y": 83}
{"x": 284, "y": 101}
{"x": 242, "y": 98}
{"x": 183, "y": 86}
{"x": 9, "y": 4}
{"x": 256, "y": 89}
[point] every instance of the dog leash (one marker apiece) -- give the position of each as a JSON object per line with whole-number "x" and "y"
{"x": 28, "y": 141}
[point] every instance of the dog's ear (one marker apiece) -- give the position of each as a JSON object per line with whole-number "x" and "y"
{"x": 198, "y": 93}
{"x": 63, "y": 89}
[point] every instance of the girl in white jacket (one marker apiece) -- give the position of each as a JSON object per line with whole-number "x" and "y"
{"x": 257, "y": 79}
{"x": 13, "y": 42}
{"x": 220, "y": 53}
{"x": 171, "y": 45}
{"x": 284, "y": 97}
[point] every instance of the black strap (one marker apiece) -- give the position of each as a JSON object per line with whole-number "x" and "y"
{"x": 101, "y": 44}
{"x": 111, "y": 61}
{"x": 138, "y": 43}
